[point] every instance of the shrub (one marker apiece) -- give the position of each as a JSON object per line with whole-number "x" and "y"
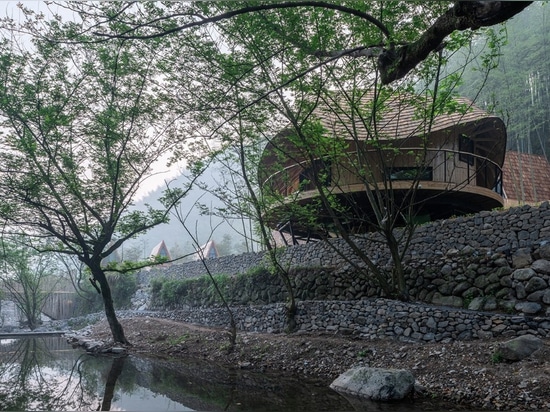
{"x": 156, "y": 286}
{"x": 257, "y": 271}
{"x": 169, "y": 292}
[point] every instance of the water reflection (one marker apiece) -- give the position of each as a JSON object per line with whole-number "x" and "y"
{"x": 45, "y": 373}
{"x": 39, "y": 374}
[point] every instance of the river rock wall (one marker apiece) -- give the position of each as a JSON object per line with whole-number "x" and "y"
{"x": 474, "y": 277}
{"x": 371, "y": 319}
{"x": 497, "y": 260}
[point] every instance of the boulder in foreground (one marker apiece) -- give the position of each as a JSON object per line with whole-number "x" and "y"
{"x": 519, "y": 348}
{"x": 375, "y": 383}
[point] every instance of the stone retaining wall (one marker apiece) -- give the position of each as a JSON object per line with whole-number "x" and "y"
{"x": 371, "y": 319}
{"x": 482, "y": 276}
{"x": 227, "y": 265}
{"x": 492, "y": 260}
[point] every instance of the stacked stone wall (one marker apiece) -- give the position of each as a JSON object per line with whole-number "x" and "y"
{"x": 475, "y": 277}
{"x": 497, "y": 260}
{"x": 371, "y": 319}
{"x": 227, "y": 265}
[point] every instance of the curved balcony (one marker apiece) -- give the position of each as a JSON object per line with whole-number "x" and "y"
{"x": 450, "y": 182}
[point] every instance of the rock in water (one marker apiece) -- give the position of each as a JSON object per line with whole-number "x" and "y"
{"x": 519, "y": 348}
{"x": 375, "y": 383}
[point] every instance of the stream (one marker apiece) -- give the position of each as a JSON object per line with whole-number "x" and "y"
{"x": 46, "y": 373}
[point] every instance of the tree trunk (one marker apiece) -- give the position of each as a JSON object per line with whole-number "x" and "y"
{"x": 116, "y": 328}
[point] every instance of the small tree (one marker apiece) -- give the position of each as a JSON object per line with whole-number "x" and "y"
{"x": 225, "y": 247}
{"x": 25, "y": 276}
{"x": 83, "y": 125}
{"x": 398, "y": 37}
{"x": 199, "y": 252}
{"x": 395, "y": 42}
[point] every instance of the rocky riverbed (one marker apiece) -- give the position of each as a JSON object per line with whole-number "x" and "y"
{"x": 467, "y": 373}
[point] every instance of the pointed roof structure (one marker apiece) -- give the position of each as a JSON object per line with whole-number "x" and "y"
{"x": 208, "y": 251}
{"x": 160, "y": 250}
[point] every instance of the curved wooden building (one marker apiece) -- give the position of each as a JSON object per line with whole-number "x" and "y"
{"x": 450, "y": 166}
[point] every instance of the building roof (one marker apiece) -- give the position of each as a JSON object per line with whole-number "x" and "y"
{"x": 400, "y": 116}
{"x": 208, "y": 251}
{"x": 160, "y": 250}
{"x": 526, "y": 177}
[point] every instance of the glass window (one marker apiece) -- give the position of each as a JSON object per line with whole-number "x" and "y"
{"x": 465, "y": 146}
{"x": 410, "y": 173}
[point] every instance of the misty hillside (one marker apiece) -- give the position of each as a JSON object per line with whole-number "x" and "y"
{"x": 174, "y": 235}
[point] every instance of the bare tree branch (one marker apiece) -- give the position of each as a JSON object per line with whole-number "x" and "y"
{"x": 394, "y": 64}
{"x": 251, "y": 9}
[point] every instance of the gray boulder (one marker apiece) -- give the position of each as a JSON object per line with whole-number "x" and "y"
{"x": 519, "y": 348}
{"x": 544, "y": 251}
{"x": 441, "y": 300}
{"x": 375, "y": 383}
{"x": 523, "y": 274}
{"x": 91, "y": 345}
{"x": 535, "y": 283}
{"x": 529, "y": 308}
{"x": 477, "y": 303}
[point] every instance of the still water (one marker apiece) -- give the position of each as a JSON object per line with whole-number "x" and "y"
{"x": 46, "y": 373}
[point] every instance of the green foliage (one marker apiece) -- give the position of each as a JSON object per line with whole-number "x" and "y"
{"x": 226, "y": 347}
{"x": 26, "y": 277}
{"x": 258, "y": 271}
{"x": 467, "y": 300}
{"x": 223, "y": 282}
{"x": 510, "y": 76}
{"x": 83, "y": 123}
{"x": 87, "y": 120}
{"x": 172, "y": 293}
{"x": 178, "y": 340}
{"x": 123, "y": 287}
{"x": 225, "y": 247}
{"x": 169, "y": 293}
{"x": 127, "y": 266}
{"x": 156, "y": 286}
{"x": 496, "y": 357}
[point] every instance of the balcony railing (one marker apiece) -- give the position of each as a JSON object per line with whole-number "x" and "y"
{"x": 445, "y": 164}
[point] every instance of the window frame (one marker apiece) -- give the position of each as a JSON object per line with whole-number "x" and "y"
{"x": 466, "y": 145}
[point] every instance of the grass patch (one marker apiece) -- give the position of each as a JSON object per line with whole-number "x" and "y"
{"x": 496, "y": 358}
